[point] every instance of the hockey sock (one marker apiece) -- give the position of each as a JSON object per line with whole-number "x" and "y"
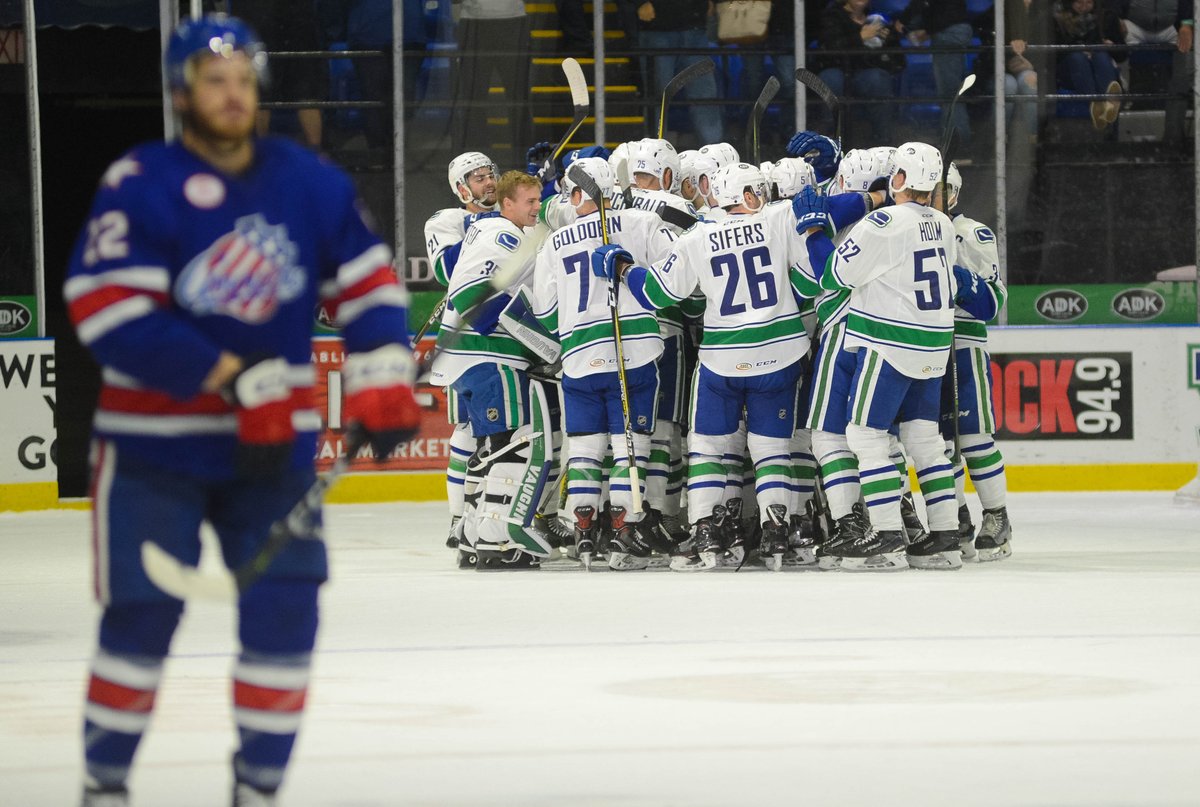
{"x": 774, "y": 477}
{"x": 960, "y": 474}
{"x": 585, "y": 471}
{"x": 734, "y": 458}
{"x": 804, "y": 465}
{"x": 677, "y": 477}
{"x": 987, "y": 469}
{"x": 658, "y": 468}
{"x": 462, "y": 446}
{"x": 879, "y": 479}
{"x": 620, "y": 489}
{"x": 935, "y": 474}
{"x": 125, "y": 673}
{"x": 839, "y": 471}
{"x": 277, "y": 628}
{"x": 901, "y": 463}
{"x": 706, "y": 473}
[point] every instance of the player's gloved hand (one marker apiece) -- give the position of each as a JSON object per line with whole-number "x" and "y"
{"x": 536, "y": 156}
{"x": 819, "y": 151}
{"x": 578, "y": 154}
{"x": 811, "y": 210}
{"x": 966, "y": 284}
{"x": 610, "y": 261}
{"x": 379, "y": 396}
{"x": 262, "y": 396}
{"x": 471, "y": 218}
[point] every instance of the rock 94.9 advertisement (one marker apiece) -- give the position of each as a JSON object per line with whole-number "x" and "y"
{"x": 1063, "y": 396}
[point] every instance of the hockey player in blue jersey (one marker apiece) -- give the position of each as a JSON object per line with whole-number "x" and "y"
{"x": 194, "y": 284}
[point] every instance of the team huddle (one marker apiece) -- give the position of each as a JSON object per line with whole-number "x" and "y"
{"x": 724, "y": 362}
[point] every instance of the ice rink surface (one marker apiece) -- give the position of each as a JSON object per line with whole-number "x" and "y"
{"x": 1066, "y": 675}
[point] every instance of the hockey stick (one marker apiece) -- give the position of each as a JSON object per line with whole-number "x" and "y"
{"x": 584, "y": 180}
{"x": 756, "y": 113}
{"x": 434, "y": 316}
{"x": 947, "y": 139}
{"x": 579, "y": 99}
{"x": 681, "y": 79}
{"x": 814, "y": 82}
{"x": 189, "y": 582}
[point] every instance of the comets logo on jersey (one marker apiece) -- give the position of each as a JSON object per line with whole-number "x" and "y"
{"x": 245, "y": 274}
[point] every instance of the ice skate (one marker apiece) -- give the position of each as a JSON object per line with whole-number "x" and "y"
{"x": 966, "y": 533}
{"x": 452, "y": 537}
{"x": 703, "y": 547}
{"x": 656, "y": 531}
{"x": 914, "y": 530}
{"x": 503, "y": 558}
{"x": 629, "y": 549}
{"x": 585, "y": 535}
{"x": 994, "y": 541}
{"x": 95, "y": 795}
{"x": 881, "y": 551}
{"x": 846, "y": 530}
{"x": 774, "y": 542}
{"x": 804, "y": 538}
{"x": 733, "y": 534}
{"x": 245, "y": 795}
{"x": 937, "y": 550}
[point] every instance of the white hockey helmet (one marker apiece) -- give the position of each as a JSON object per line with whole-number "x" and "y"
{"x": 618, "y": 161}
{"x": 857, "y": 171}
{"x": 654, "y": 156}
{"x": 688, "y": 161}
{"x": 463, "y": 166}
{"x": 954, "y": 180}
{"x": 922, "y": 167}
{"x": 595, "y": 167}
{"x": 729, "y": 183}
{"x": 722, "y": 154}
{"x": 791, "y": 175}
{"x": 886, "y": 156}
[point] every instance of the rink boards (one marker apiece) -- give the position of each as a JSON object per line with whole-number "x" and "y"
{"x": 1080, "y": 408}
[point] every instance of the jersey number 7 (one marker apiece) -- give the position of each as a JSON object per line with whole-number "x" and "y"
{"x": 930, "y": 298}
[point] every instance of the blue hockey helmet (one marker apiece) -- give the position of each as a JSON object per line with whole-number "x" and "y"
{"x": 215, "y": 34}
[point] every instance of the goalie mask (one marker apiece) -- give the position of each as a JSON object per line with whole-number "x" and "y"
{"x": 462, "y": 167}
{"x": 730, "y": 183}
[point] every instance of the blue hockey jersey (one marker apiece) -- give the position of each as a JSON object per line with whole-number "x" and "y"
{"x": 178, "y": 262}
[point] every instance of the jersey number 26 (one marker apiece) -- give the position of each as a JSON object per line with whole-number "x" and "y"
{"x": 760, "y": 281}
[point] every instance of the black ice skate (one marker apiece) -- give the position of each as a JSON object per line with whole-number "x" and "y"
{"x": 914, "y": 530}
{"x": 876, "y": 551}
{"x": 657, "y": 531}
{"x": 245, "y": 795}
{"x": 96, "y": 795}
{"x": 966, "y": 533}
{"x": 937, "y": 550}
{"x": 503, "y": 558}
{"x": 802, "y": 540}
{"x": 452, "y": 538}
{"x": 851, "y": 527}
{"x": 733, "y": 534}
{"x": 699, "y": 553}
{"x": 586, "y": 530}
{"x": 994, "y": 541}
{"x": 629, "y": 549}
{"x": 773, "y": 544}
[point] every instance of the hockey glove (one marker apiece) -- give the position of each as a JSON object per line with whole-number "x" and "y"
{"x": 610, "y": 261}
{"x": 810, "y": 209}
{"x": 536, "y": 156}
{"x": 966, "y": 284}
{"x": 262, "y": 396}
{"x": 822, "y": 153}
{"x": 471, "y": 218}
{"x": 379, "y": 396}
{"x": 579, "y": 154}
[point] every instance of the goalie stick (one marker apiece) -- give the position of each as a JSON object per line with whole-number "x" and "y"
{"x": 584, "y": 180}
{"x": 190, "y": 582}
{"x": 947, "y": 139}
{"x": 680, "y": 80}
{"x": 814, "y": 82}
{"x": 756, "y": 114}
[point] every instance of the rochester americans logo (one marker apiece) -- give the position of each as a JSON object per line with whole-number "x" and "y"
{"x": 245, "y": 274}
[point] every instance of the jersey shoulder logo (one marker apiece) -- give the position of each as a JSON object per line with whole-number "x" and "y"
{"x": 245, "y": 274}
{"x": 880, "y": 218}
{"x": 984, "y": 236}
{"x": 508, "y": 241}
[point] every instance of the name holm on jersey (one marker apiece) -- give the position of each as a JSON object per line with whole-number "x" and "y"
{"x": 931, "y": 231}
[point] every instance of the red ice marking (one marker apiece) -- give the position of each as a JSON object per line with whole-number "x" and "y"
{"x": 274, "y": 700}
{"x": 116, "y": 696}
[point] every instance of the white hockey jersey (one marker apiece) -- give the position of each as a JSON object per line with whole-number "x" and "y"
{"x": 489, "y": 246}
{"x": 897, "y": 261}
{"x": 742, "y": 265}
{"x": 571, "y": 301}
{"x": 443, "y": 230}
{"x": 977, "y": 252}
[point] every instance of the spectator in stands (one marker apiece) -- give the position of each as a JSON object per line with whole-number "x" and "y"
{"x": 1165, "y": 22}
{"x": 868, "y": 73}
{"x": 367, "y": 25}
{"x": 493, "y": 37}
{"x": 1090, "y": 72}
{"x": 284, "y": 28}
{"x": 1020, "y": 77}
{"x": 781, "y": 44}
{"x": 666, "y": 27}
{"x": 945, "y": 24}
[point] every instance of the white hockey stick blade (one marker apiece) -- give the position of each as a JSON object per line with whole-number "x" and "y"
{"x": 967, "y": 84}
{"x": 510, "y": 269}
{"x": 577, "y": 83}
{"x": 185, "y": 582}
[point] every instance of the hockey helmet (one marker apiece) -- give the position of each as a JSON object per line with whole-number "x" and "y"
{"x": 618, "y": 161}
{"x": 730, "y": 182}
{"x": 791, "y": 175}
{"x": 722, "y": 154}
{"x": 596, "y": 168}
{"x": 922, "y": 167}
{"x": 211, "y": 35}
{"x": 462, "y": 167}
{"x": 654, "y": 156}
{"x": 954, "y": 180}
{"x": 858, "y": 171}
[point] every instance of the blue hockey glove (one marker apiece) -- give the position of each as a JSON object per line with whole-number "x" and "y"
{"x": 966, "y": 284}
{"x": 811, "y": 210}
{"x": 611, "y": 261}
{"x": 579, "y": 154}
{"x": 822, "y": 153}
{"x": 536, "y": 155}
{"x": 471, "y": 218}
